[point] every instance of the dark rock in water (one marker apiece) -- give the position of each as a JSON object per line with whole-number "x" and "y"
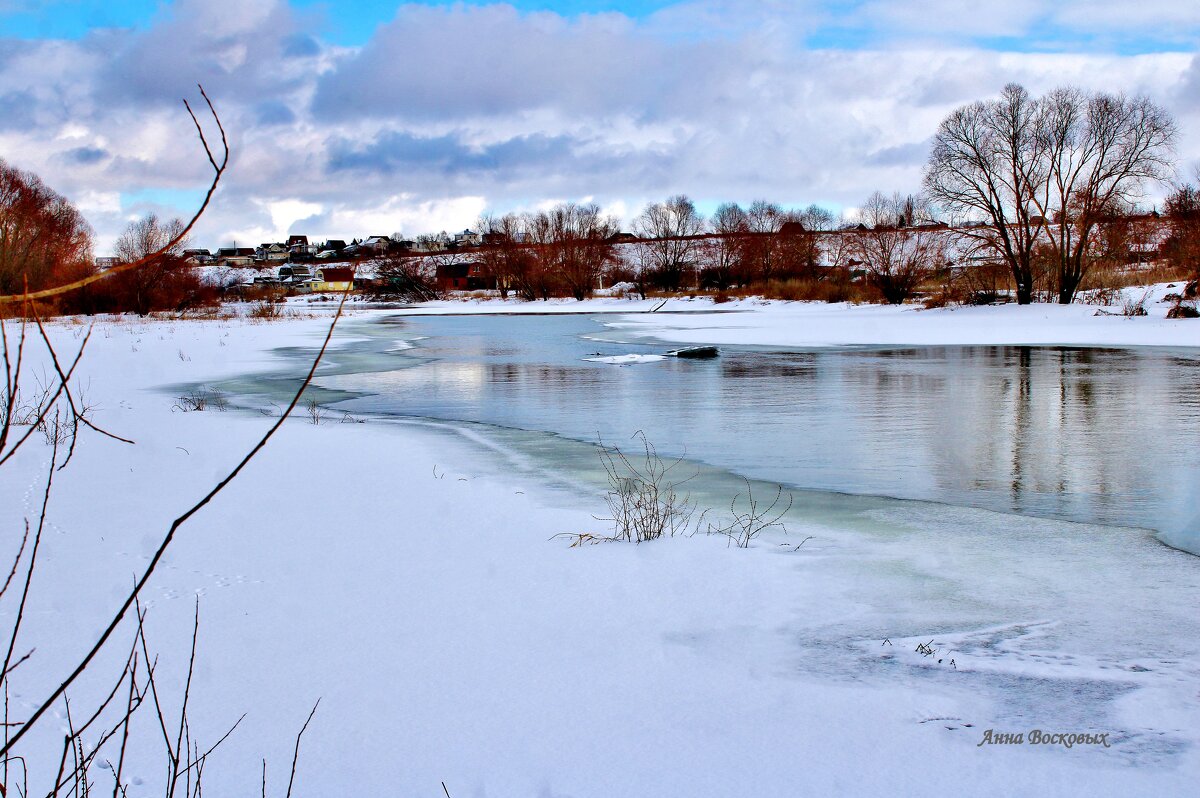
{"x": 695, "y": 352}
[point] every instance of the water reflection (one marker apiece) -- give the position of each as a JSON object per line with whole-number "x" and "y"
{"x": 1098, "y": 435}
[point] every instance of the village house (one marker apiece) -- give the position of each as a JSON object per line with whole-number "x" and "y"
{"x": 271, "y": 253}
{"x": 235, "y": 256}
{"x": 467, "y": 238}
{"x": 198, "y": 257}
{"x": 462, "y": 277}
{"x": 333, "y": 248}
{"x": 334, "y": 278}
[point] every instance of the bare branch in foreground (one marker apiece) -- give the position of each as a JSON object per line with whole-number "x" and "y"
{"x": 119, "y": 615}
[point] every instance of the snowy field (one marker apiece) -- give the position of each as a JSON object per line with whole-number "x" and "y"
{"x": 407, "y": 576}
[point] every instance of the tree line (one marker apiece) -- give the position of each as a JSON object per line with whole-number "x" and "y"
{"x": 1028, "y": 195}
{"x": 45, "y": 242}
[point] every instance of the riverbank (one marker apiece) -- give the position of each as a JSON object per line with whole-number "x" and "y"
{"x": 758, "y": 322}
{"x": 407, "y": 576}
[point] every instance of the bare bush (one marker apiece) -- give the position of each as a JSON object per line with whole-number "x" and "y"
{"x": 315, "y": 412}
{"x": 266, "y": 309}
{"x": 1134, "y": 307}
{"x": 201, "y": 399}
{"x": 745, "y": 525}
{"x": 644, "y": 499}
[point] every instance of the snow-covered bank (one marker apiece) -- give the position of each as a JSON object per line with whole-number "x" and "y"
{"x": 759, "y": 322}
{"x": 407, "y": 577}
{"x": 811, "y": 324}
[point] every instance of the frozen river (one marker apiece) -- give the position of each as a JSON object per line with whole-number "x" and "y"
{"x": 1008, "y": 504}
{"x": 1105, "y": 436}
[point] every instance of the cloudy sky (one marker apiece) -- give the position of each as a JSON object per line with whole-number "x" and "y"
{"x": 375, "y": 117}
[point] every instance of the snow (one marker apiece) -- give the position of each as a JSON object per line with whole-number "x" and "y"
{"x": 626, "y": 360}
{"x": 407, "y": 575}
{"x": 815, "y": 324}
{"x": 760, "y": 322}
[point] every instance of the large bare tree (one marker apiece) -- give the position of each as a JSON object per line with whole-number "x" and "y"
{"x": 1043, "y": 171}
{"x": 1102, "y": 150}
{"x": 988, "y": 161}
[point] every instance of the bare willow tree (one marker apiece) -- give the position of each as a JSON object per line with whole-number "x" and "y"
{"x": 669, "y": 232}
{"x": 1043, "y": 171}
{"x": 43, "y": 238}
{"x": 573, "y": 245}
{"x": 894, "y": 247}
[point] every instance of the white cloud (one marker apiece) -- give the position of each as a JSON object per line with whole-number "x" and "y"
{"x": 284, "y": 213}
{"x": 450, "y": 111}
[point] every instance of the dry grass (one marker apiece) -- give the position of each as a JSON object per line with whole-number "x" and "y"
{"x": 809, "y": 290}
{"x": 1133, "y": 275}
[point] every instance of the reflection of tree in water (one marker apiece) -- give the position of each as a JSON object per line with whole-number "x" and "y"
{"x": 1084, "y": 434}
{"x": 1022, "y": 422}
{"x": 782, "y": 365}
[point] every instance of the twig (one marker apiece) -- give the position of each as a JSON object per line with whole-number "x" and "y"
{"x": 170, "y": 536}
{"x": 296, "y": 753}
{"x": 16, "y": 560}
{"x": 37, "y": 539}
{"x": 218, "y": 171}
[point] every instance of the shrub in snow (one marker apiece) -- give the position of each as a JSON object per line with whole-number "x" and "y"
{"x": 643, "y": 495}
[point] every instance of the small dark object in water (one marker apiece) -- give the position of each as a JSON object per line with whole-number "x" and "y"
{"x": 695, "y": 352}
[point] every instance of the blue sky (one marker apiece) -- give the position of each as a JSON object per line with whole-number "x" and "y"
{"x": 354, "y": 118}
{"x": 349, "y": 23}
{"x": 843, "y": 24}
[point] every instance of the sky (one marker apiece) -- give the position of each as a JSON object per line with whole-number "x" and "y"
{"x": 348, "y": 119}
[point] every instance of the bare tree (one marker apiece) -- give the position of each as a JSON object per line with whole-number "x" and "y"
{"x": 1101, "y": 150}
{"x": 797, "y": 247}
{"x": 669, "y": 230}
{"x": 1182, "y": 247}
{"x": 403, "y": 277}
{"x": 896, "y": 254}
{"x": 1045, "y": 171}
{"x": 988, "y": 162}
{"x": 572, "y": 244}
{"x": 146, "y": 289}
{"x": 817, "y": 218}
{"x": 43, "y": 238}
{"x": 504, "y": 257}
{"x": 723, "y": 257}
{"x": 763, "y": 219}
